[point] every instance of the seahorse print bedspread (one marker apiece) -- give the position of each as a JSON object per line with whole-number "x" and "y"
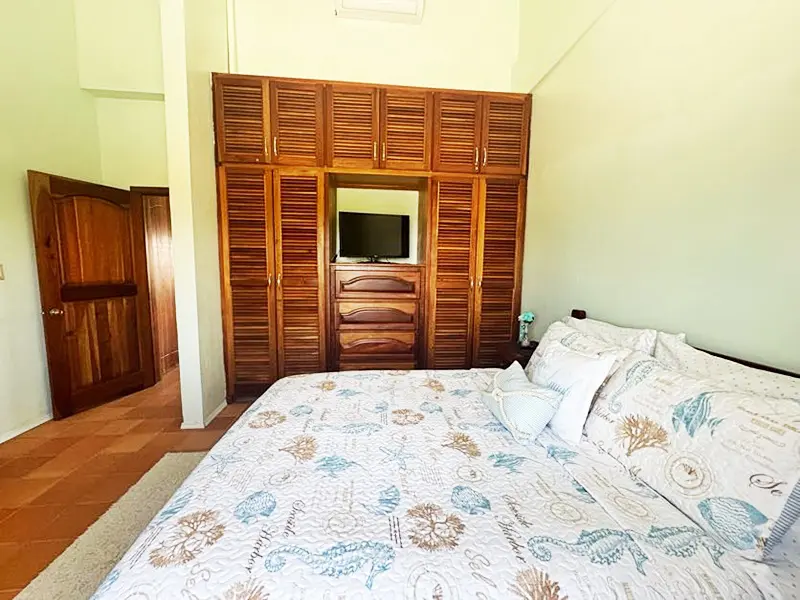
{"x": 402, "y": 485}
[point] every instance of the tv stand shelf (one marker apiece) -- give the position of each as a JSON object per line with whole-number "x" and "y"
{"x": 376, "y": 316}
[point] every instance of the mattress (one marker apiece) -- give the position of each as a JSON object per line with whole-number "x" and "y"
{"x": 401, "y": 484}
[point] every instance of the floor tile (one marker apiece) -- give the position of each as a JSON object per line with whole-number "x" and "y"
{"x": 108, "y": 488}
{"x": 66, "y": 491}
{"x": 18, "y": 446}
{"x": 31, "y": 559}
{"x": 73, "y": 457}
{"x": 198, "y": 441}
{"x": 218, "y": 424}
{"x": 29, "y": 523}
{"x": 18, "y": 492}
{"x": 54, "y": 446}
{"x": 5, "y": 513}
{"x": 75, "y": 519}
{"x": 21, "y": 466}
{"x": 130, "y": 443}
{"x": 7, "y": 550}
{"x": 120, "y": 426}
{"x": 157, "y": 425}
{"x": 9, "y": 594}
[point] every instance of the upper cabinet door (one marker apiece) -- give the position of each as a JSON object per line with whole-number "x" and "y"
{"x": 242, "y": 119}
{"x": 506, "y": 129}
{"x": 406, "y": 124}
{"x": 499, "y": 260}
{"x": 451, "y": 281}
{"x": 297, "y": 123}
{"x": 352, "y": 126}
{"x": 299, "y": 216}
{"x": 247, "y": 278}
{"x": 456, "y": 137}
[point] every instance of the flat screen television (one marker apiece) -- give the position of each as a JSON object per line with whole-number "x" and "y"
{"x": 366, "y": 235}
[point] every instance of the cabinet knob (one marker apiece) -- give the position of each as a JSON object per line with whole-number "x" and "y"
{"x": 477, "y": 154}
{"x": 374, "y": 150}
{"x": 275, "y": 145}
{"x": 383, "y": 152}
{"x": 485, "y": 155}
{"x": 471, "y": 282}
{"x": 279, "y": 280}
{"x": 55, "y": 312}
{"x": 269, "y": 280}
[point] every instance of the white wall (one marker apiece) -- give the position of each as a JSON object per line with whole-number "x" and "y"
{"x": 665, "y": 157}
{"x": 383, "y": 202}
{"x": 48, "y": 124}
{"x": 469, "y": 44}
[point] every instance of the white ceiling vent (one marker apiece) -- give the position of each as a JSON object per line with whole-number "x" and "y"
{"x": 402, "y": 11}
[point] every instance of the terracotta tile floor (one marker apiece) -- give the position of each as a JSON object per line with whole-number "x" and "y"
{"x": 57, "y": 479}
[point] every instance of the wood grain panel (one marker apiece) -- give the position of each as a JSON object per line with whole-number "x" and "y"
{"x": 451, "y": 258}
{"x": 247, "y": 267}
{"x": 407, "y": 120}
{"x": 457, "y": 124}
{"x": 371, "y": 312}
{"x": 299, "y": 208}
{"x": 377, "y": 342}
{"x": 352, "y": 126}
{"x": 241, "y": 118}
{"x": 158, "y": 233}
{"x": 506, "y": 125}
{"x": 368, "y": 283}
{"x": 499, "y": 264}
{"x": 297, "y": 123}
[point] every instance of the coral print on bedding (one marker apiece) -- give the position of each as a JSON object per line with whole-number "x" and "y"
{"x": 403, "y": 485}
{"x": 729, "y": 460}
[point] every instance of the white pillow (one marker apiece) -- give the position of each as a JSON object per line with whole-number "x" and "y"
{"x": 523, "y": 408}
{"x": 682, "y": 357}
{"x": 577, "y": 341}
{"x": 642, "y": 340}
{"x": 578, "y": 377}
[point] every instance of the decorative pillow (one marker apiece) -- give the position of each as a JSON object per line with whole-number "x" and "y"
{"x": 643, "y": 340}
{"x": 577, "y": 377}
{"x": 682, "y": 357}
{"x": 577, "y": 341}
{"x": 728, "y": 460}
{"x": 523, "y": 408}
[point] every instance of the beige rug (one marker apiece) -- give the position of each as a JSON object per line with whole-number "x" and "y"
{"x": 76, "y": 574}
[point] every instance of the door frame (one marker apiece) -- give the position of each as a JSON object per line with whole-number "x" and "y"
{"x": 42, "y": 187}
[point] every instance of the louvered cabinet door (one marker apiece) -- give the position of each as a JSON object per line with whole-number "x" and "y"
{"x": 456, "y": 137}
{"x": 247, "y": 259}
{"x": 296, "y": 111}
{"x": 352, "y": 126}
{"x": 506, "y": 130}
{"x": 453, "y": 224}
{"x": 241, "y": 119}
{"x": 406, "y": 128}
{"x": 299, "y": 219}
{"x": 499, "y": 260}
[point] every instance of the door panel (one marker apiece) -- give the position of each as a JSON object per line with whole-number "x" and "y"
{"x": 90, "y": 254}
{"x": 297, "y": 123}
{"x": 352, "y": 126}
{"x": 499, "y": 263}
{"x": 453, "y": 225}
{"x": 406, "y": 118}
{"x": 456, "y": 138}
{"x": 506, "y": 125}
{"x": 241, "y": 119}
{"x": 248, "y": 276}
{"x": 160, "y": 275}
{"x": 299, "y": 208}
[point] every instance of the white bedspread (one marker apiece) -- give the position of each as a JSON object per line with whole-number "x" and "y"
{"x": 402, "y": 485}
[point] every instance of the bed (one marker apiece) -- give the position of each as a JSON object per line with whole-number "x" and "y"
{"x": 401, "y": 484}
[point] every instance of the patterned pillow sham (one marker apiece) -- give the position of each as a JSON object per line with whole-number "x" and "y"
{"x": 682, "y": 357}
{"x": 577, "y": 341}
{"x": 643, "y": 340}
{"x": 522, "y": 407}
{"x": 576, "y": 377}
{"x": 728, "y": 460}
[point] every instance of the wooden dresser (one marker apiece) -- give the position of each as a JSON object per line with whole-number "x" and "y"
{"x": 376, "y": 316}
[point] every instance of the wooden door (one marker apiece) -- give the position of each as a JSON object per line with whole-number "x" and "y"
{"x": 456, "y": 137}
{"x": 506, "y": 130}
{"x": 242, "y": 119}
{"x": 352, "y": 122}
{"x": 297, "y": 123}
{"x": 406, "y": 129}
{"x": 92, "y": 266}
{"x": 499, "y": 263}
{"x": 160, "y": 276}
{"x": 299, "y": 217}
{"x": 454, "y": 222}
{"x": 248, "y": 267}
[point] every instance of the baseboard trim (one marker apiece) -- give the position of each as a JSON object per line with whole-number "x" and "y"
{"x": 207, "y": 420}
{"x": 4, "y": 437}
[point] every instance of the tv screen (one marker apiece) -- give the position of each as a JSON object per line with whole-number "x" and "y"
{"x": 364, "y": 235}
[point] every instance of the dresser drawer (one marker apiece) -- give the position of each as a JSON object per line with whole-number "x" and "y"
{"x": 366, "y": 344}
{"x": 378, "y": 364}
{"x": 371, "y": 314}
{"x": 374, "y": 283}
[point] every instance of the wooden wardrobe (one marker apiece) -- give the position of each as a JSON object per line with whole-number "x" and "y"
{"x": 283, "y": 144}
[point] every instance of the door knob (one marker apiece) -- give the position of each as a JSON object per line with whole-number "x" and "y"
{"x": 55, "y": 312}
